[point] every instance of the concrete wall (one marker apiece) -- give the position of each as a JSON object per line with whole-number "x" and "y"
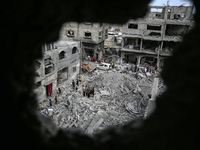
{"x": 81, "y": 28}
{"x": 70, "y": 61}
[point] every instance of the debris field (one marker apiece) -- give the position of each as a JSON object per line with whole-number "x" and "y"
{"x": 120, "y": 96}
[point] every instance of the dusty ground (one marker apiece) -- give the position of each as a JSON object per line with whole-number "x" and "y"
{"x": 120, "y": 96}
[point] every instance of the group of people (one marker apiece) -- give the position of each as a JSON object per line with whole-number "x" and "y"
{"x": 135, "y": 69}
{"x": 146, "y": 69}
{"x": 94, "y": 59}
{"x": 50, "y": 101}
{"x": 149, "y": 69}
{"x": 75, "y": 84}
{"x": 88, "y": 91}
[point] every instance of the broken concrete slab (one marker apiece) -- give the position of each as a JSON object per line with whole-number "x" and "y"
{"x": 141, "y": 75}
{"x": 105, "y": 93}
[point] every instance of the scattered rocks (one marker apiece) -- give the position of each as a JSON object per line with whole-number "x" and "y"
{"x": 120, "y": 96}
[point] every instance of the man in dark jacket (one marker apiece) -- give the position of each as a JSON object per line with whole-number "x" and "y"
{"x": 73, "y": 84}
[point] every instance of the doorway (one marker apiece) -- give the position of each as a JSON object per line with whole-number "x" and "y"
{"x": 49, "y": 89}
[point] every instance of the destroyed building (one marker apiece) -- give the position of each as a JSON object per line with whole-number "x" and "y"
{"x": 112, "y": 44}
{"x": 91, "y": 35}
{"x": 152, "y": 39}
{"x": 60, "y": 63}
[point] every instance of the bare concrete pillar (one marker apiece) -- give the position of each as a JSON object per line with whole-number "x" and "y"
{"x": 158, "y": 62}
{"x": 122, "y": 42}
{"x": 138, "y": 60}
{"x": 151, "y": 104}
{"x": 136, "y": 42}
{"x": 161, "y": 46}
{"x": 158, "y": 56}
{"x": 100, "y": 54}
{"x": 122, "y": 56}
{"x": 141, "y": 43}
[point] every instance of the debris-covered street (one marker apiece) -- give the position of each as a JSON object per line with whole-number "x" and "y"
{"x": 120, "y": 95}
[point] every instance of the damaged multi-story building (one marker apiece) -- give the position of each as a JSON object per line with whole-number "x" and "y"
{"x": 90, "y": 35}
{"x": 152, "y": 39}
{"x": 61, "y": 62}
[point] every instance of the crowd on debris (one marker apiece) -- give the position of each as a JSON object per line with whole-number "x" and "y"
{"x": 107, "y": 98}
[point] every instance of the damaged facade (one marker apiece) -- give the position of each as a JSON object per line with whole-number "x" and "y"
{"x": 60, "y": 63}
{"x": 152, "y": 39}
{"x": 91, "y": 36}
{"x": 112, "y": 44}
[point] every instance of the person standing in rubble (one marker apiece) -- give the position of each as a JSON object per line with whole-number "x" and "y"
{"x": 73, "y": 84}
{"x": 76, "y": 87}
{"x": 135, "y": 68}
{"x": 145, "y": 69}
{"x": 131, "y": 67}
{"x": 50, "y": 102}
{"x": 148, "y": 68}
{"x": 112, "y": 65}
{"x": 92, "y": 91}
{"x": 88, "y": 92}
{"x": 56, "y": 99}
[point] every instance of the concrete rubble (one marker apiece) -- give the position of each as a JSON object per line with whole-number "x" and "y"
{"x": 120, "y": 96}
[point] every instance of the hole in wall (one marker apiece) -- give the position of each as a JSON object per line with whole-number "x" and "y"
{"x": 102, "y": 113}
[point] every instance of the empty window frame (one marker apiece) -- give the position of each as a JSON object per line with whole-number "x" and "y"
{"x": 62, "y": 75}
{"x": 70, "y": 33}
{"x": 154, "y": 27}
{"x": 74, "y": 50}
{"x": 100, "y": 34}
{"x": 49, "y": 69}
{"x": 74, "y": 69}
{"x": 106, "y": 33}
{"x": 154, "y": 34}
{"x": 132, "y": 26}
{"x": 48, "y": 61}
{"x": 176, "y": 30}
{"x": 62, "y": 55}
{"x": 49, "y": 66}
{"x": 88, "y": 35}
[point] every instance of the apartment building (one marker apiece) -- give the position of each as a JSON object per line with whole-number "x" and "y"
{"x": 90, "y": 35}
{"x": 60, "y": 64}
{"x": 153, "y": 38}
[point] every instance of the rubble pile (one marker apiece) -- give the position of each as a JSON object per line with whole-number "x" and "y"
{"x": 119, "y": 97}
